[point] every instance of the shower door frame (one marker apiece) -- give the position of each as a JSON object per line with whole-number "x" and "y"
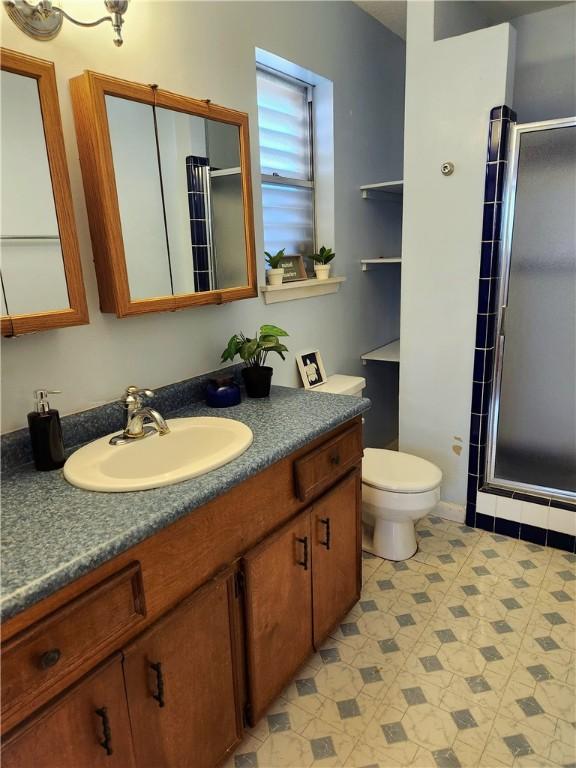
{"x": 508, "y": 206}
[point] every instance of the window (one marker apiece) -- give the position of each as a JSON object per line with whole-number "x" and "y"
{"x": 286, "y": 159}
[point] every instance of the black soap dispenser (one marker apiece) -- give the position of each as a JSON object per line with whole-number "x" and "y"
{"x": 46, "y": 433}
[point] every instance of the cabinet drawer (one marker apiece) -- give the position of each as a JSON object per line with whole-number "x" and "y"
{"x": 39, "y": 662}
{"x": 324, "y": 465}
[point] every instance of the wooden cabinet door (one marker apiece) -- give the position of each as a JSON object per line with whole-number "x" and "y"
{"x": 87, "y": 727}
{"x": 278, "y": 600}
{"x": 336, "y": 554}
{"x": 182, "y": 685}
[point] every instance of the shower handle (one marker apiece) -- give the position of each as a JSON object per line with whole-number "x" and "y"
{"x": 502, "y": 328}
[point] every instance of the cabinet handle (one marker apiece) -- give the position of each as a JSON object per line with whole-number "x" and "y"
{"x": 304, "y": 562}
{"x": 335, "y": 459}
{"x": 327, "y": 540}
{"x": 106, "y": 742}
{"x": 159, "y": 695}
{"x": 50, "y": 658}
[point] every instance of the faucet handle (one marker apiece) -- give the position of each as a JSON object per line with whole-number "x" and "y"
{"x": 138, "y": 392}
{"x": 133, "y": 396}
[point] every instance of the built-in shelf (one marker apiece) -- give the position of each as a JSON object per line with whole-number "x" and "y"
{"x": 367, "y": 264}
{"x": 389, "y": 353}
{"x": 395, "y": 188}
{"x": 225, "y": 172}
{"x": 300, "y": 289}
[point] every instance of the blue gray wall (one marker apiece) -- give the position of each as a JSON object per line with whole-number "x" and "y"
{"x": 207, "y": 50}
{"x": 545, "y": 78}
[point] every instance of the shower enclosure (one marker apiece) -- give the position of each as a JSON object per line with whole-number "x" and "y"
{"x": 531, "y": 443}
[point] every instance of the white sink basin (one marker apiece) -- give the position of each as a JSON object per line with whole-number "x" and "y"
{"x": 193, "y": 447}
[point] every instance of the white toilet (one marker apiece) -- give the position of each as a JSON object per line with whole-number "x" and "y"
{"x": 397, "y": 488}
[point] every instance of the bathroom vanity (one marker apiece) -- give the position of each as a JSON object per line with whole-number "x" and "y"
{"x": 161, "y": 654}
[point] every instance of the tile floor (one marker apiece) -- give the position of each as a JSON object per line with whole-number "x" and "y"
{"x": 462, "y": 656}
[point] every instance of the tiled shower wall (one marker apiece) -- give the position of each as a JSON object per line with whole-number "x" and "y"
{"x": 533, "y": 518}
{"x": 197, "y": 173}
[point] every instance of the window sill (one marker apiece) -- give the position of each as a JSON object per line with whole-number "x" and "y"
{"x": 300, "y": 289}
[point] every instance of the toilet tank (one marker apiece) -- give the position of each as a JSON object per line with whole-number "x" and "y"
{"x": 338, "y": 384}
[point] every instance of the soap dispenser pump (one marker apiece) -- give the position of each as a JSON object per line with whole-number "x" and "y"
{"x": 46, "y": 432}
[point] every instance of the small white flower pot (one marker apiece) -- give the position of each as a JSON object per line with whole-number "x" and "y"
{"x": 322, "y": 271}
{"x": 275, "y": 276}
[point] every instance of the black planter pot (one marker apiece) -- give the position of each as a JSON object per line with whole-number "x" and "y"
{"x": 258, "y": 380}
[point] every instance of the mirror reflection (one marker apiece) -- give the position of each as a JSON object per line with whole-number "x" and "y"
{"x": 179, "y": 187}
{"x": 32, "y": 272}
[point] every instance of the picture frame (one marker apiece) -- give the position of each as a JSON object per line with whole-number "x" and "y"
{"x": 294, "y": 269}
{"x": 311, "y": 368}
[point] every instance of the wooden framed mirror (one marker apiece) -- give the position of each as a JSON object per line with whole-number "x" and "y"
{"x": 169, "y": 193}
{"x": 41, "y": 276}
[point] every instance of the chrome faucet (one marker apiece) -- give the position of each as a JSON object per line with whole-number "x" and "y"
{"x": 137, "y": 415}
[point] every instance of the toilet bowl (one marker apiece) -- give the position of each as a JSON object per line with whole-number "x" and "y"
{"x": 398, "y": 489}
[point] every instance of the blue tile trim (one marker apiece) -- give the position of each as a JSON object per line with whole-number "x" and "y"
{"x": 533, "y": 498}
{"x": 198, "y": 205}
{"x": 202, "y": 281}
{"x": 196, "y": 160}
{"x": 497, "y": 491}
{"x": 507, "y": 527}
{"x": 533, "y": 534}
{"x": 561, "y": 541}
{"x": 486, "y": 260}
{"x": 495, "y": 174}
{"x": 486, "y": 318}
{"x": 522, "y": 531}
{"x": 516, "y": 530}
{"x": 200, "y": 256}
{"x": 542, "y": 500}
{"x": 570, "y": 506}
{"x": 484, "y": 522}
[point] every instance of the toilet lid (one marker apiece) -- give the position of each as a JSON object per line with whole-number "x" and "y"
{"x": 340, "y": 384}
{"x": 399, "y": 472}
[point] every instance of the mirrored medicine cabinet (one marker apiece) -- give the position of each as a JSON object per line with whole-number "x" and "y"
{"x": 41, "y": 276}
{"x": 169, "y": 195}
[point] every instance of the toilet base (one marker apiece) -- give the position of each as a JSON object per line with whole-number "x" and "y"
{"x": 394, "y": 540}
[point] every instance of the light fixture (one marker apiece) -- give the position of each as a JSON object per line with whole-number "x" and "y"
{"x": 43, "y": 21}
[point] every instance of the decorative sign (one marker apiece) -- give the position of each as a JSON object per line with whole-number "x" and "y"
{"x": 293, "y": 269}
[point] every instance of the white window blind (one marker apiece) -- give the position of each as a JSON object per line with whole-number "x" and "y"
{"x": 286, "y": 163}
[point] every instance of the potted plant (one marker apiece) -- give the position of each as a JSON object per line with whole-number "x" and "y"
{"x": 257, "y": 375}
{"x": 322, "y": 261}
{"x": 275, "y": 272}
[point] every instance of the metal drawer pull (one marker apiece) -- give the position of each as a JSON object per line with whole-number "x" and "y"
{"x": 50, "y": 658}
{"x": 304, "y": 562}
{"x": 106, "y": 742}
{"x": 335, "y": 459}
{"x": 159, "y": 695}
{"x": 327, "y": 541}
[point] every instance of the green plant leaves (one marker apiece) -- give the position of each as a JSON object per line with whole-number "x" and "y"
{"x": 274, "y": 260}
{"x": 268, "y": 341}
{"x": 254, "y": 351}
{"x": 232, "y": 349}
{"x": 272, "y": 330}
{"x": 249, "y": 349}
{"x": 324, "y": 255}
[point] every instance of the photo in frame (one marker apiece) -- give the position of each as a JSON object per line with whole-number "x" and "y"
{"x": 311, "y": 368}
{"x": 294, "y": 269}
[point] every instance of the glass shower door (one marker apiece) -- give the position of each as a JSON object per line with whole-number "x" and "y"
{"x": 532, "y": 441}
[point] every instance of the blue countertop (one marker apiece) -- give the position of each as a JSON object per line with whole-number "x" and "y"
{"x": 53, "y": 533}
